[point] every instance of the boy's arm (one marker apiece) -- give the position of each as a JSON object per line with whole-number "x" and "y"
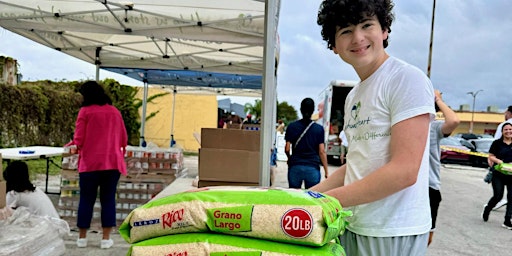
{"x": 408, "y": 142}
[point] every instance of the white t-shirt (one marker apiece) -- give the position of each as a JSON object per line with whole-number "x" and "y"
{"x": 37, "y": 202}
{"x": 395, "y": 92}
{"x": 436, "y": 134}
{"x": 343, "y": 139}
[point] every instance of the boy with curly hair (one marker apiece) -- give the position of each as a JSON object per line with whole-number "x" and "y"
{"x": 385, "y": 179}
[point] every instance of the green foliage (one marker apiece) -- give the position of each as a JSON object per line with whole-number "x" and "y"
{"x": 124, "y": 99}
{"x": 44, "y": 112}
{"x": 285, "y": 112}
{"x": 37, "y": 114}
{"x": 254, "y": 110}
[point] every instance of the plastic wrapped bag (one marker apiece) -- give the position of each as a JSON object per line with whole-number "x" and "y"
{"x": 26, "y": 234}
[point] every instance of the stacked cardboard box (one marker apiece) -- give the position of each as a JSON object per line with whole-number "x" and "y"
{"x": 229, "y": 157}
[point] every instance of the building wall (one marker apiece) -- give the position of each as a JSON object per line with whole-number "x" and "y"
{"x": 192, "y": 112}
{"x": 9, "y": 71}
{"x": 483, "y": 122}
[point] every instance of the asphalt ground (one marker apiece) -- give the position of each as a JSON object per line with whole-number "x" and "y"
{"x": 460, "y": 228}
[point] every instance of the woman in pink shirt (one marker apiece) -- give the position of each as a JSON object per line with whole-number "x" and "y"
{"x": 101, "y": 139}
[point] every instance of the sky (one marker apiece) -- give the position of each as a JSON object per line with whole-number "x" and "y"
{"x": 471, "y": 52}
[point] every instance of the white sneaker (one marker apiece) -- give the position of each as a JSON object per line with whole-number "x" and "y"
{"x": 500, "y": 204}
{"x": 106, "y": 243}
{"x": 81, "y": 242}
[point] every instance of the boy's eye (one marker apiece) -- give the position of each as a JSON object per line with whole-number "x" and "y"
{"x": 343, "y": 32}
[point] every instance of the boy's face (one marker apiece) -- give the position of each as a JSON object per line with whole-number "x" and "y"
{"x": 361, "y": 45}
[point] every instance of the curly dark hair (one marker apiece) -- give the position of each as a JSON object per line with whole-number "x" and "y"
{"x": 342, "y": 13}
{"x": 94, "y": 94}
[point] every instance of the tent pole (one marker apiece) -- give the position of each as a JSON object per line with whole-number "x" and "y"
{"x": 268, "y": 89}
{"x": 98, "y": 73}
{"x": 143, "y": 118}
{"x": 97, "y": 62}
{"x": 172, "y": 119}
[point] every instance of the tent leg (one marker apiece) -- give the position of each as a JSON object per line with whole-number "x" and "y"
{"x": 173, "y": 142}
{"x": 97, "y": 62}
{"x": 143, "y": 118}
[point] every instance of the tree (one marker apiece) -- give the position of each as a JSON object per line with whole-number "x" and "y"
{"x": 254, "y": 110}
{"x": 285, "y": 112}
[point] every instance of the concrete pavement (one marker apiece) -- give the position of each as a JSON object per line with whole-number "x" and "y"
{"x": 460, "y": 229}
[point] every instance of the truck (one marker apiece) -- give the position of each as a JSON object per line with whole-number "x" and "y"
{"x": 331, "y": 103}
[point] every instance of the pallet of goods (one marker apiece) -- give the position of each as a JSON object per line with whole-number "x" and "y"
{"x": 149, "y": 171}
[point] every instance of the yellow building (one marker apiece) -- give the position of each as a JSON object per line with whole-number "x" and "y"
{"x": 483, "y": 122}
{"x": 192, "y": 112}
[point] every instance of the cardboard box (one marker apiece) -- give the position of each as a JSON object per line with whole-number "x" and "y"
{"x": 230, "y": 139}
{"x": 2, "y": 194}
{"x": 229, "y": 165}
{"x": 207, "y": 183}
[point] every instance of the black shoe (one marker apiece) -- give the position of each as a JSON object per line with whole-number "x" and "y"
{"x": 507, "y": 225}
{"x": 485, "y": 213}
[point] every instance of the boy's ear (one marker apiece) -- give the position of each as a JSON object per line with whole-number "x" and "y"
{"x": 334, "y": 50}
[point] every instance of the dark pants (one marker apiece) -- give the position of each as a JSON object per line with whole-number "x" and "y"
{"x": 299, "y": 173}
{"x": 499, "y": 182}
{"x": 435, "y": 200}
{"x": 106, "y": 181}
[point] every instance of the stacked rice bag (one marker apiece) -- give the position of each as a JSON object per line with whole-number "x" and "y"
{"x": 300, "y": 218}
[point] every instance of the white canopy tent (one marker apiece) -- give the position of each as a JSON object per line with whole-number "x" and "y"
{"x": 222, "y": 46}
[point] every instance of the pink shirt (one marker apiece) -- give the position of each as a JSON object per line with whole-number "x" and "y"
{"x": 101, "y": 138}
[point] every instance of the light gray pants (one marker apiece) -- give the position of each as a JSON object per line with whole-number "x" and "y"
{"x": 357, "y": 245}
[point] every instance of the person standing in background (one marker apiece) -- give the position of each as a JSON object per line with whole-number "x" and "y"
{"x": 21, "y": 192}
{"x": 497, "y": 135}
{"x": 508, "y": 119}
{"x": 308, "y": 152}
{"x": 101, "y": 140}
{"x": 438, "y": 129}
{"x": 344, "y": 146}
{"x": 280, "y": 126}
{"x": 499, "y": 153}
{"x": 384, "y": 181}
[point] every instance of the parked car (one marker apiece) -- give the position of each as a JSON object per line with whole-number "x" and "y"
{"x": 485, "y": 136}
{"x": 473, "y": 136}
{"x": 481, "y": 145}
{"x": 466, "y": 136}
{"x": 450, "y": 156}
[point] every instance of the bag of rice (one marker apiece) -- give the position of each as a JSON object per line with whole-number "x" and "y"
{"x": 504, "y": 168}
{"x": 225, "y": 245}
{"x": 283, "y": 215}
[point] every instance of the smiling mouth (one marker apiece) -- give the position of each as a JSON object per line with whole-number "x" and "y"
{"x": 360, "y": 49}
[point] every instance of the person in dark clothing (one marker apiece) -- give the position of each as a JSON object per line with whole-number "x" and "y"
{"x": 499, "y": 153}
{"x": 305, "y": 149}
